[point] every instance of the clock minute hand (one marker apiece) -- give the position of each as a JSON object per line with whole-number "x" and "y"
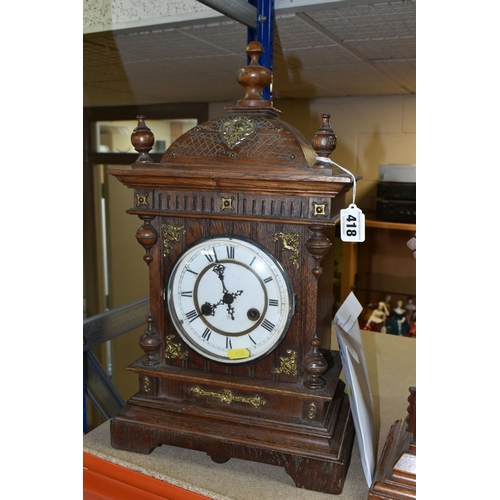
{"x": 219, "y": 271}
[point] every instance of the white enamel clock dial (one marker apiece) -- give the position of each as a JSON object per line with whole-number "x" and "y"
{"x": 229, "y": 299}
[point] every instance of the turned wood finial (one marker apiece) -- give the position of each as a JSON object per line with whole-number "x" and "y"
{"x": 318, "y": 245}
{"x": 254, "y": 78}
{"x": 147, "y": 236}
{"x": 150, "y": 343}
{"x": 324, "y": 141}
{"x": 142, "y": 139}
{"x": 314, "y": 365}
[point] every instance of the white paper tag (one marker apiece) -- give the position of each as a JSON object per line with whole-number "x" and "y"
{"x": 352, "y": 355}
{"x": 352, "y": 224}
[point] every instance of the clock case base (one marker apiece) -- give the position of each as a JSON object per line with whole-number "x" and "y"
{"x": 315, "y": 452}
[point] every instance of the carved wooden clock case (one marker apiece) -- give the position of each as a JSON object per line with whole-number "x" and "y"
{"x": 238, "y": 221}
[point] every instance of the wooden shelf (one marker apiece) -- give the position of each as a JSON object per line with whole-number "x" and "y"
{"x": 403, "y": 226}
{"x": 385, "y": 283}
{"x": 358, "y": 274}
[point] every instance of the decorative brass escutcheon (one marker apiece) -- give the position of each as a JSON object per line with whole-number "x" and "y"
{"x": 142, "y": 199}
{"x": 226, "y": 396}
{"x": 171, "y": 235}
{"x": 226, "y": 203}
{"x": 172, "y": 350}
{"x": 235, "y": 129}
{"x": 291, "y": 242}
{"x": 288, "y": 365}
{"x": 312, "y": 411}
{"x": 319, "y": 209}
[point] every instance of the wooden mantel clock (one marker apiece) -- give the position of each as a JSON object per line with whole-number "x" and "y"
{"x": 237, "y": 225}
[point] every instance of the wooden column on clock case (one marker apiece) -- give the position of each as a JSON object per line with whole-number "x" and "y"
{"x": 249, "y": 175}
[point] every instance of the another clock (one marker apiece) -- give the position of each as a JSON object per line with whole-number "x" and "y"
{"x": 229, "y": 299}
{"x": 238, "y": 220}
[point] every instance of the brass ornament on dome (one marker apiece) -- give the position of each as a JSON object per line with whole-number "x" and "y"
{"x": 235, "y": 129}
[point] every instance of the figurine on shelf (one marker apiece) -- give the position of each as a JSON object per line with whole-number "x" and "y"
{"x": 397, "y": 323}
{"x": 411, "y": 313}
{"x": 387, "y": 301}
{"x": 376, "y": 322}
{"x": 412, "y": 332}
{"x": 368, "y": 309}
{"x": 412, "y": 245}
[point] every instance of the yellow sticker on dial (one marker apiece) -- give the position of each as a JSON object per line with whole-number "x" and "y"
{"x": 238, "y": 353}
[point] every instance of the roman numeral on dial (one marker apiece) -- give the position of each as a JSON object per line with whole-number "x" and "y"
{"x": 191, "y": 315}
{"x": 211, "y": 256}
{"x": 267, "y": 325}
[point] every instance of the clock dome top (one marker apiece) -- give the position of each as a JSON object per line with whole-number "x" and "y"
{"x": 250, "y": 135}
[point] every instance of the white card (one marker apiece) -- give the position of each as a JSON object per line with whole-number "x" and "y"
{"x": 353, "y": 359}
{"x": 352, "y": 224}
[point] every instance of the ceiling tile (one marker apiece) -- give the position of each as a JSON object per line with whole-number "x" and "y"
{"x": 344, "y": 50}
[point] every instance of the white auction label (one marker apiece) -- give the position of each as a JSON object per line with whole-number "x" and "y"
{"x": 352, "y": 224}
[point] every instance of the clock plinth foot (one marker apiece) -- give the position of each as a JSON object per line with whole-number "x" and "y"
{"x": 219, "y": 459}
{"x": 317, "y": 475}
{"x": 134, "y": 437}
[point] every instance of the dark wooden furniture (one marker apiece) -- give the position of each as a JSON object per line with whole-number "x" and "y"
{"x": 396, "y": 472}
{"x": 248, "y": 175}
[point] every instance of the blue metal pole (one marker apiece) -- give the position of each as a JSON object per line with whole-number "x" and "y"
{"x": 251, "y": 32}
{"x": 265, "y": 35}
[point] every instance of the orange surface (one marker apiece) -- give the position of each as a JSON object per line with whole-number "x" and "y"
{"x": 103, "y": 480}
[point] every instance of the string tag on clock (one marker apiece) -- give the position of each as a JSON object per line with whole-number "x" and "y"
{"x": 352, "y": 218}
{"x": 352, "y": 224}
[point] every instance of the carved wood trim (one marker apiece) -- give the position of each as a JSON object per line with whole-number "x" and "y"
{"x": 147, "y": 236}
{"x": 314, "y": 363}
{"x": 150, "y": 343}
{"x": 318, "y": 246}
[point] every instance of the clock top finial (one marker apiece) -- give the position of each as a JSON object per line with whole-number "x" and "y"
{"x": 143, "y": 140}
{"x": 324, "y": 141}
{"x": 254, "y": 78}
